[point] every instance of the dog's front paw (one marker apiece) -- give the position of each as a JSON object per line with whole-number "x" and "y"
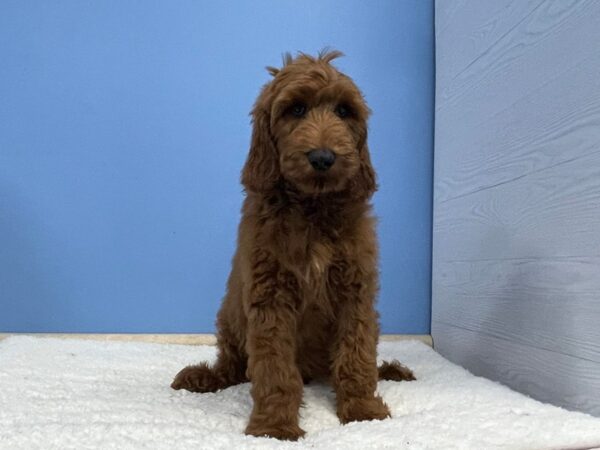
{"x": 355, "y": 409}
{"x": 198, "y": 378}
{"x": 283, "y": 431}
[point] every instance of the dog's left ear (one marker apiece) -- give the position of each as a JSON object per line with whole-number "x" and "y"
{"x": 365, "y": 182}
{"x": 261, "y": 171}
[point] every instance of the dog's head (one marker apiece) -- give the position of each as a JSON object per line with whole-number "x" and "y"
{"x": 310, "y": 131}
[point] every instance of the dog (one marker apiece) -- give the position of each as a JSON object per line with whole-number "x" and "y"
{"x": 300, "y": 301}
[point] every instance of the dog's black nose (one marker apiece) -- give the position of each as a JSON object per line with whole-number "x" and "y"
{"x": 321, "y": 159}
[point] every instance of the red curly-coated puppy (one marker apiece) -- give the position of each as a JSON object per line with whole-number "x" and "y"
{"x": 300, "y": 300}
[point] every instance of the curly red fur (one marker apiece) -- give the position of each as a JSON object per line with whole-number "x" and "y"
{"x": 300, "y": 300}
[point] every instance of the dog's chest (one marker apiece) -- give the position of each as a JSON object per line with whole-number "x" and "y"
{"x": 318, "y": 260}
{"x": 311, "y": 255}
{"x": 312, "y": 245}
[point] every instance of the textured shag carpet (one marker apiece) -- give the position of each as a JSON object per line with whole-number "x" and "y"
{"x": 81, "y": 394}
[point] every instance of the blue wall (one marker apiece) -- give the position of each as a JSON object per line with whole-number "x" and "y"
{"x": 123, "y": 129}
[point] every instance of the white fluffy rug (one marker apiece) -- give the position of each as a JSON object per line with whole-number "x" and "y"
{"x": 75, "y": 394}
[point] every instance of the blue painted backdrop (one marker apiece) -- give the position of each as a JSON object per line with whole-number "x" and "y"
{"x": 123, "y": 129}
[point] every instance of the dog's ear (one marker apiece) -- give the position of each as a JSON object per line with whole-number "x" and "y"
{"x": 261, "y": 171}
{"x": 365, "y": 182}
{"x": 366, "y": 179}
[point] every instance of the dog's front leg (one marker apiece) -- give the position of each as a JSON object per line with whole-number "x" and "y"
{"x": 354, "y": 352}
{"x": 271, "y": 347}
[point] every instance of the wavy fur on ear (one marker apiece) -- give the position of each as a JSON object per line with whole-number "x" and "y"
{"x": 261, "y": 171}
{"x": 366, "y": 180}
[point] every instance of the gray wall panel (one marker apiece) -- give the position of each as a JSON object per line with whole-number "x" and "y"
{"x": 529, "y": 68}
{"x": 542, "y": 374}
{"x": 516, "y": 246}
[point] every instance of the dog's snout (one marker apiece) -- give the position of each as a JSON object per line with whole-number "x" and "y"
{"x": 321, "y": 159}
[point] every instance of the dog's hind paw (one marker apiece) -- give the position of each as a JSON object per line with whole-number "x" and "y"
{"x": 200, "y": 378}
{"x": 395, "y": 371}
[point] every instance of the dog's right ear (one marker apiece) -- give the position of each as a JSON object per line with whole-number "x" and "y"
{"x": 261, "y": 171}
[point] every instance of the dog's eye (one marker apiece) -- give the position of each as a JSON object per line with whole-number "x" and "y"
{"x": 297, "y": 110}
{"x": 343, "y": 111}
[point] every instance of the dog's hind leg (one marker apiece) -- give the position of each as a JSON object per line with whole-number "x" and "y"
{"x": 228, "y": 370}
{"x": 232, "y": 360}
{"x": 395, "y": 371}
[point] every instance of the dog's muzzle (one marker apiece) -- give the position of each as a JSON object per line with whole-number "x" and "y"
{"x": 321, "y": 159}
